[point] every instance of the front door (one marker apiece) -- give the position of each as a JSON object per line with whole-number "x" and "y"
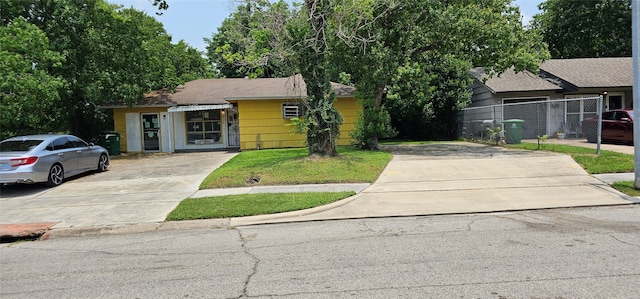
{"x": 150, "y": 132}
{"x": 233, "y": 127}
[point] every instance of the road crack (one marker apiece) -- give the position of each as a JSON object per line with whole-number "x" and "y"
{"x": 245, "y": 239}
{"x": 623, "y": 242}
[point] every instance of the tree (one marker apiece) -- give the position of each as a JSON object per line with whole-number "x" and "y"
{"x": 323, "y": 120}
{"x": 167, "y": 65}
{"x": 111, "y": 55}
{"x": 377, "y": 41}
{"x": 415, "y": 55}
{"x": 28, "y": 94}
{"x": 578, "y": 29}
{"x": 247, "y": 42}
{"x": 269, "y": 39}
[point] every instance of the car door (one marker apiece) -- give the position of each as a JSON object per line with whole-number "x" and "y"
{"x": 86, "y": 157}
{"x": 62, "y": 151}
{"x": 624, "y": 126}
{"x": 607, "y": 125}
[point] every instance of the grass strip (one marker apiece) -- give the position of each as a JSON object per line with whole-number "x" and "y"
{"x": 606, "y": 162}
{"x": 251, "y": 204}
{"x": 626, "y": 187}
{"x": 294, "y": 166}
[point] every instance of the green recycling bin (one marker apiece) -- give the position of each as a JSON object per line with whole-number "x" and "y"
{"x": 111, "y": 142}
{"x": 513, "y": 130}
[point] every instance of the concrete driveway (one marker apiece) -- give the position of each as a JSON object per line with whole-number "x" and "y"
{"x": 432, "y": 179}
{"x": 134, "y": 190}
{"x": 461, "y": 177}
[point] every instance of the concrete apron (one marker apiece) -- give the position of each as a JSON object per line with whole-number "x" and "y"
{"x": 465, "y": 177}
{"x": 132, "y": 191}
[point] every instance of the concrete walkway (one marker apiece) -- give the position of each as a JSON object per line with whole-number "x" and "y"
{"x": 453, "y": 178}
{"x": 446, "y": 178}
{"x": 135, "y": 190}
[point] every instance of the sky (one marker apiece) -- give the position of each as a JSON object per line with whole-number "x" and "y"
{"x": 193, "y": 20}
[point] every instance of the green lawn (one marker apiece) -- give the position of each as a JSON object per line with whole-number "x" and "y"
{"x": 606, "y": 162}
{"x": 251, "y": 204}
{"x": 280, "y": 167}
{"x": 626, "y": 187}
{"x": 294, "y": 166}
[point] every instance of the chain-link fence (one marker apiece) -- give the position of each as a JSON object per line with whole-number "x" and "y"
{"x": 564, "y": 118}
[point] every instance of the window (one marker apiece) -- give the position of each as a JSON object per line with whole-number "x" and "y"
{"x": 59, "y": 144}
{"x": 291, "y": 110}
{"x": 75, "y": 142}
{"x": 19, "y": 145}
{"x": 203, "y": 127}
{"x": 607, "y": 116}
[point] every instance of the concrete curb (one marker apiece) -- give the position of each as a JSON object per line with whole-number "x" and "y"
{"x": 186, "y": 224}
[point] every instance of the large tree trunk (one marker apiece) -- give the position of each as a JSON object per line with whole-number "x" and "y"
{"x": 323, "y": 119}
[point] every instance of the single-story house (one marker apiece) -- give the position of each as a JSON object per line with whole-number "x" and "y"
{"x": 209, "y": 114}
{"x": 558, "y": 79}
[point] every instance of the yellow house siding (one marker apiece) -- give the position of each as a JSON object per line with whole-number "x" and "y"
{"x": 120, "y": 123}
{"x": 262, "y": 125}
{"x": 350, "y": 109}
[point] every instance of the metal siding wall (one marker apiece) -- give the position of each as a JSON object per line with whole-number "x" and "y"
{"x": 264, "y": 118}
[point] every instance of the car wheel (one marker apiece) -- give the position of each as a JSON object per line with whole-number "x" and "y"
{"x": 56, "y": 175}
{"x": 103, "y": 163}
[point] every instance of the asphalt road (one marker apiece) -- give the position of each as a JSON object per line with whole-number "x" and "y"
{"x": 561, "y": 253}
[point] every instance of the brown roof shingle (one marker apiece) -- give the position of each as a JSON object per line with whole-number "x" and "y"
{"x": 510, "y": 81}
{"x": 219, "y": 91}
{"x": 592, "y": 72}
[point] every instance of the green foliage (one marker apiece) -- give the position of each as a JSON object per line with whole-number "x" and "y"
{"x": 372, "y": 124}
{"x": 494, "y": 134}
{"x": 294, "y": 166}
{"x": 251, "y": 204}
{"x": 252, "y": 41}
{"x": 594, "y": 28}
{"x": 298, "y": 125}
{"x": 412, "y": 58}
{"x": 28, "y": 93}
{"x": 111, "y": 55}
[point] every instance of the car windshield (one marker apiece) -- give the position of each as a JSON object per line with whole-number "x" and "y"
{"x": 18, "y": 145}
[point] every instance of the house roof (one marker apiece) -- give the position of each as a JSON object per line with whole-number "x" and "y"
{"x": 592, "y": 72}
{"x": 220, "y": 91}
{"x": 510, "y": 81}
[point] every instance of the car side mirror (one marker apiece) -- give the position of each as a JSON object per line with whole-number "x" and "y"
{"x": 626, "y": 119}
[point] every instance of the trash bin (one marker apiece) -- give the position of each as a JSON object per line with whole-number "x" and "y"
{"x": 110, "y": 141}
{"x": 513, "y": 130}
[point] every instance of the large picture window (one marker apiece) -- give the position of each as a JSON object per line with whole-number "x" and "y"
{"x": 203, "y": 127}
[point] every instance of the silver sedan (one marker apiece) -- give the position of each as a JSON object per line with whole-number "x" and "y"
{"x": 48, "y": 159}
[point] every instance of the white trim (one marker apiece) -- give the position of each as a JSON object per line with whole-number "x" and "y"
{"x": 199, "y": 108}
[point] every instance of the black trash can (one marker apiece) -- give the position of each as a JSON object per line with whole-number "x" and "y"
{"x": 111, "y": 141}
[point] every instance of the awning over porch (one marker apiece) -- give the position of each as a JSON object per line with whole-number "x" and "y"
{"x": 199, "y": 107}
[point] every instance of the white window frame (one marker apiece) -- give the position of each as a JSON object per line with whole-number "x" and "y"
{"x": 291, "y": 110}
